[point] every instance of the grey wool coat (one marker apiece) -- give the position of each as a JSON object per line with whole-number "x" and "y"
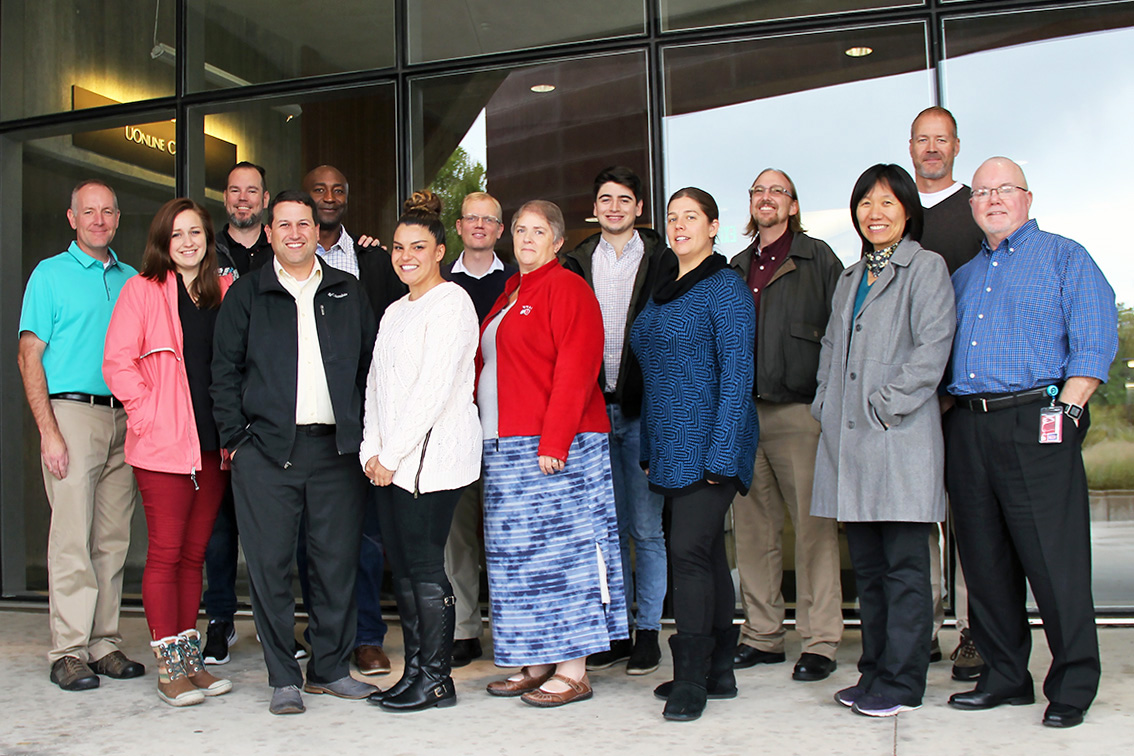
{"x": 881, "y": 454}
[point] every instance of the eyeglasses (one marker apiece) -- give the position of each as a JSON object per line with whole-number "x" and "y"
{"x": 777, "y": 191}
{"x": 488, "y": 220}
{"x": 1005, "y": 190}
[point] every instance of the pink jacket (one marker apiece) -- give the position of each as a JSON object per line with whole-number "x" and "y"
{"x": 144, "y": 367}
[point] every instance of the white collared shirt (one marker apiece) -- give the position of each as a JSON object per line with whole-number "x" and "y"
{"x": 614, "y": 286}
{"x": 341, "y": 255}
{"x": 459, "y": 267}
{"x": 312, "y": 397}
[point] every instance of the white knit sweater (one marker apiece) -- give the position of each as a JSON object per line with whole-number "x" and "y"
{"x": 421, "y": 382}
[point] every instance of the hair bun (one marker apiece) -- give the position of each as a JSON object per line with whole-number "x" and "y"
{"x": 423, "y": 201}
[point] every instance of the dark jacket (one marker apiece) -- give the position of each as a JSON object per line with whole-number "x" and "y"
{"x": 233, "y": 255}
{"x": 256, "y": 350}
{"x": 628, "y": 389}
{"x": 794, "y": 309}
{"x": 378, "y": 279}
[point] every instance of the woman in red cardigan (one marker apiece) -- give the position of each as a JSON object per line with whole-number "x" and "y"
{"x": 550, "y": 533}
{"x": 158, "y": 363}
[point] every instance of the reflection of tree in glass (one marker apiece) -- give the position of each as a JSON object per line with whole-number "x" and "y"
{"x": 459, "y": 176}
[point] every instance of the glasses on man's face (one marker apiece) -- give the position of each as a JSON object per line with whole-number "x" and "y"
{"x": 775, "y": 191}
{"x": 488, "y": 220}
{"x": 1002, "y": 191}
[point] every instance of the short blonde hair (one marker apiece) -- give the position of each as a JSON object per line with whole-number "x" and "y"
{"x": 478, "y": 196}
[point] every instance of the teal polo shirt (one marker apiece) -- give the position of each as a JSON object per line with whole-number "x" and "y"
{"x": 67, "y": 304}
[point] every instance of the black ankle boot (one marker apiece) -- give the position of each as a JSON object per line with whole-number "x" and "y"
{"x": 411, "y": 641}
{"x": 432, "y": 686}
{"x": 691, "y": 655}
{"x": 721, "y": 681}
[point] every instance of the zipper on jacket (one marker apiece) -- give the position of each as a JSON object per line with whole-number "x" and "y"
{"x": 159, "y": 349}
{"x": 193, "y": 477}
{"x": 421, "y": 464}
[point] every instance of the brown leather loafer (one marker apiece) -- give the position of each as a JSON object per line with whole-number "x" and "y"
{"x": 509, "y": 688}
{"x": 116, "y": 665}
{"x": 372, "y": 660}
{"x": 577, "y": 690}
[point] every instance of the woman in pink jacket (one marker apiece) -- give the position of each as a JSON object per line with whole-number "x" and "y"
{"x": 157, "y": 362}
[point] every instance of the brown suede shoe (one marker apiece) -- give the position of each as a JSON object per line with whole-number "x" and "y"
{"x": 577, "y": 690}
{"x": 509, "y": 688}
{"x": 372, "y": 660}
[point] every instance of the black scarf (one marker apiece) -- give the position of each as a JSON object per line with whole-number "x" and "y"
{"x": 669, "y": 287}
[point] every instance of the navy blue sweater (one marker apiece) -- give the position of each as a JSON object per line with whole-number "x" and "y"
{"x": 699, "y": 420}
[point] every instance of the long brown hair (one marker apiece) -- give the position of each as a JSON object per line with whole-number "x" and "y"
{"x": 156, "y": 262}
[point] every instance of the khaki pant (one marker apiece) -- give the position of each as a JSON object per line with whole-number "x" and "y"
{"x": 90, "y": 531}
{"x": 960, "y": 591}
{"x": 784, "y": 472}
{"x": 462, "y": 562}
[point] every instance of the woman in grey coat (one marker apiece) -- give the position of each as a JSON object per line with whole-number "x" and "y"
{"x": 880, "y": 464}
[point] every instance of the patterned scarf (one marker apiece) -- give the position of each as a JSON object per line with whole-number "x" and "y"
{"x": 876, "y": 261}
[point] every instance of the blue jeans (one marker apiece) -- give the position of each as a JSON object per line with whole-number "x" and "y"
{"x": 639, "y": 519}
{"x": 220, "y": 563}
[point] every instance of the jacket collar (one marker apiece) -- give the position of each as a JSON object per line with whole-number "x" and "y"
{"x": 86, "y": 260}
{"x": 901, "y": 258}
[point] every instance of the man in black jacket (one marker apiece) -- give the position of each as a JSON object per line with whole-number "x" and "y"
{"x": 620, "y": 264}
{"x": 792, "y": 278}
{"x": 242, "y": 244}
{"x": 291, "y": 352}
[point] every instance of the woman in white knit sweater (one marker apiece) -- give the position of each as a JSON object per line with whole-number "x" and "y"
{"x": 421, "y": 442}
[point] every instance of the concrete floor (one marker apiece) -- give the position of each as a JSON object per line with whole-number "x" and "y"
{"x": 773, "y": 715}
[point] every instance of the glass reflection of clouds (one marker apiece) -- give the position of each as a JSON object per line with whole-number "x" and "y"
{"x": 1062, "y": 108}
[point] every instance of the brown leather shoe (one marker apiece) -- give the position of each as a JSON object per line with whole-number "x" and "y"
{"x": 578, "y": 690}
{"x": 509, "y": 688}
{"x": 116, "y": 665}
{"x": 372, "y": 660}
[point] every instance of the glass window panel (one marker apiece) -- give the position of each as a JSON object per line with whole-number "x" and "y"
{"x": 49, "y": 169}
{"x": 49, "y": 46}
{"x": 1000, "y": 74}
{"x": 798, "y": 103}
{"x": 351, "y": 129}
{"x": 479, "y": 27}
{"x": 697, "y": 14}
{"x": 537, "y": 144}
{"x": 258, "y": 41}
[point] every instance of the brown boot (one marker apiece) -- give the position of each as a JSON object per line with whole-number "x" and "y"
{"x": 189, "y": 643}
{"x": 173, "y": 685}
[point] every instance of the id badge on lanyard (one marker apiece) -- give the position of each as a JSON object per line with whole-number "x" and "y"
{"x": 1051, "y": 420}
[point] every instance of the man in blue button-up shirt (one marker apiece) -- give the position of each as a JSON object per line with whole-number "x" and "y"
{"x": 1036, "y": 333}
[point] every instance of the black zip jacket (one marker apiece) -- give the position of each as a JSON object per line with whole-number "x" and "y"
{"x": 628, "y": 389}
{"x": 256, "y": 353}
{"x": 794, "y": 309}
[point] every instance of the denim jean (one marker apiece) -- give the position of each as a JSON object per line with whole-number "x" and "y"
{"x": 639, "y": 519}
{"x": 220, "y": 563}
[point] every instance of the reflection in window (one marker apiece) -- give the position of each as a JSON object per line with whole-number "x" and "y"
{"x": 803, "y": 104}
{"x": 479, "y": 27}
{"x": 1001, "y": 73}
{"x": 696, "y": 14}
{"x": 257, "y": 41}
{"x": 547, "y": 130}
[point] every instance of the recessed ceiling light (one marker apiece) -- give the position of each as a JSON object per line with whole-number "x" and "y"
{"x": 859, "y": 52}
{"x": 543, "y": 88}
{"x": 592, "y": 219}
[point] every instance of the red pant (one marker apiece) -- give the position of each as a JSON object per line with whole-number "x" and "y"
{"x": 179, "y": 521}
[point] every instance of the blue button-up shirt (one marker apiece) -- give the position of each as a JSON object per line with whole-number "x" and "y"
{"x": 1034, "y": 311}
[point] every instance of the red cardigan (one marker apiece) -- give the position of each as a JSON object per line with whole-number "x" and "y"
{"x": 548, "y": 353}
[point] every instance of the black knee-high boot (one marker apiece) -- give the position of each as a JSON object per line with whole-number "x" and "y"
{"x": 411, "y": 641}
{"x": 432, "y": 686}
{"x": 691, "y": 655}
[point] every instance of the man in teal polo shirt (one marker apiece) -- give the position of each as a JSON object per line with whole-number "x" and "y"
{"x": 90, "y": 487}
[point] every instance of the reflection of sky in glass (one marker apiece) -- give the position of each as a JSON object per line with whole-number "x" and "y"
{"x": 824, "y": 138}
{"x": 1067, "y": 107}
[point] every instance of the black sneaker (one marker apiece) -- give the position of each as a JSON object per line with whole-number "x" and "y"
{"x": 646, "y": 655}
{"x": 619, "y": 650}
{"x": 219, "y": 635}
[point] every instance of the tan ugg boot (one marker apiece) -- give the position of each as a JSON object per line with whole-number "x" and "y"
{"x": 190, "y": 645}
{"x": 174, "y": 687}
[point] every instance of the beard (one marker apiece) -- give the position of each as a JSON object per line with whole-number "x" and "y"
{"x": 250, "y": 222}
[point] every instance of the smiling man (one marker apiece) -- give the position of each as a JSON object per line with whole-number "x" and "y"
{"x": 242, "y": 243}
{"x": 620, "y": 264}
{"x": 1036, "y": 332}
{"x": 792, "y": 277}
{"x": 292, "y": 347}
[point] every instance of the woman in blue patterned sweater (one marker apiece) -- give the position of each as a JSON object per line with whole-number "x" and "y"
{"x": 694, "y": 341}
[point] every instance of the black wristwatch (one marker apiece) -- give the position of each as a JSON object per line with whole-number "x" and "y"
{"x": 1073, "y": 411}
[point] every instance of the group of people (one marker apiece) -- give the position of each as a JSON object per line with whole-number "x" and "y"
{"x": 334, "y": 403}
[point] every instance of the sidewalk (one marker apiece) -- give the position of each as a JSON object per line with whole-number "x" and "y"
{"x": 772, "y": 716}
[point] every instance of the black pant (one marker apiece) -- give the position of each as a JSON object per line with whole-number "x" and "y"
{"x": 220, "y": 562}
{"x": 1021, "y": 513}
{"x": 703, "y": 596}
{"x": 891, "y": 573}
{"x": 324, "y": 490}
{"x": 415, "y": 532}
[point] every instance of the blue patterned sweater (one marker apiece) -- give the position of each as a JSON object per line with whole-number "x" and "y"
{"x": 699, "y": 420}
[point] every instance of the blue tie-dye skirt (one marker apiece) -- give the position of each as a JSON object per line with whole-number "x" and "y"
{"x": 543, "y": 536}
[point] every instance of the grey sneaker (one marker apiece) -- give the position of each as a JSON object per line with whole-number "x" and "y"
{"x": 287, "y": 700}
{"x": 344, "y": 687}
